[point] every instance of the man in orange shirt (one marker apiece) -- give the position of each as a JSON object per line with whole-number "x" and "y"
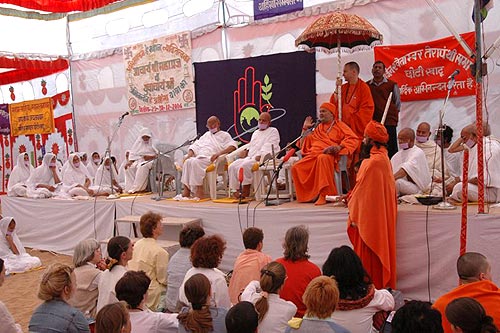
{"x": 371, "y": 225}
{"x": 474, "y": 272}
{"x": 357, "y": 106}
{"x": 313, "y": 174}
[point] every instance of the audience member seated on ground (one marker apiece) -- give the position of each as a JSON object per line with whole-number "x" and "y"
{"x": 113, "y": 318}
{"x": 274, "y": 312}
{"x": 12, "y": 251}
{"x": 359, "y": 300}
{"x": 102, "y": 180}
{"x": 261, "y": 143}
{"x": 202, "y": 315}
{"x": 242, "y": 318}
{"x": 43, "y": 180}
{"x": 417, "y": 317}
{"x": 140, "y": 162}
{"x": 180, "y": 263}
{"x": 321, "y": 298}
{"x": 151, "y": 258}
{"x": 55, "y": 314}
{"x": 313, "y": 175}
{"x": 133, "y": 289}
{"x": 120, "y": 251}
{"x": 86, "y": 256}
{"x": 475, "y": 281}
{"x": 201, "y": 154}
{"x": 18, "y": 179}
{"x": 491, "y": 162}
{"x": 8, "y": 323}
{"x": 466, "y": 315}
{"x": 249, "y": 263}
{"x": 453, "y": 160}
{"x": 409, "y": 165}
{"x": 206, "y": 255}
{"x": 299, "y": 269}
{"x": 75, "y": 180}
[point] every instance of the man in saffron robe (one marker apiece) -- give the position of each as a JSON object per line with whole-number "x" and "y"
{"x": 474, "y": 272}
{"x": 313, "y": 175}
{"x": 371, "y": 225}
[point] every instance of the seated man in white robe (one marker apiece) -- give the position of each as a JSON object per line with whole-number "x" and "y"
{"x": 409, "y": 165}
{"x": 140, "y": 161}
{"x": 453, "y": 160}
{"x": 431, "y": 149}
{"x": 491, "y": 161}
{"x": 260, "y": 145}
{"x": 44, "y": 179}
{"x": 201, "y": 154}
{"x": 17, "y": 185}
{"x": 12, "y": 251}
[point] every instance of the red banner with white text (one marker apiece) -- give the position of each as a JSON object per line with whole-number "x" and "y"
{"x": 422, "y": 70}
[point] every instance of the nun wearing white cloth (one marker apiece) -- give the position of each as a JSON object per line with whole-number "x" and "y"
{"x": 75, "y": 179}
{"x": 102, "y": 181}
{"x": 44, "y": 179}
{"x": 141, "y": 158}
{"x": 17, "y": 186}
{"x": 12, "y": 251}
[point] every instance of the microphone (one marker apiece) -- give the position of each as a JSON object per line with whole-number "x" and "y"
{"x": 455, "y": 73}
{"x": 240, "y": 179}
{"x": 287, "y": 157}
{"x": 123, "y": 115}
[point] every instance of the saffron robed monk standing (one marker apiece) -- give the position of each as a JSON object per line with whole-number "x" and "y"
{"x": 371, "y": 225}
{"x": 313, "y": 175}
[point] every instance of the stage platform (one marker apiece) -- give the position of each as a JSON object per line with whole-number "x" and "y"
{"x": 57, "y": 225}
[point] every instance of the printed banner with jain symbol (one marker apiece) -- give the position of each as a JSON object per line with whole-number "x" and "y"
{"x": 422, "y": 70}
{"x": 238, "y": 90}
{"x": 159, "y": 74}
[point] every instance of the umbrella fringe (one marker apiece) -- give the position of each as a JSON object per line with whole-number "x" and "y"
{"x": 345, "y": 50}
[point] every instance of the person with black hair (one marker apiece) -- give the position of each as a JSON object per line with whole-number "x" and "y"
{"x": 359, "y": 299}
{"x": 242, "y": 318}
{"x": 466, "y": 315}
{"x": 180, "y": 263}
{"x": 133, "y": 289}
{"x": 274, "y": 312}
{"x": 249, "y": 263}
{"x": 453, "y": 160}
{"x": 417, "y": 317}
{"x": 200, "y": 316}
{"x": 120, "y": 250}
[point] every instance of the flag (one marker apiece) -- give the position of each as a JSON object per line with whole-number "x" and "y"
{"x": 486, "y": 5}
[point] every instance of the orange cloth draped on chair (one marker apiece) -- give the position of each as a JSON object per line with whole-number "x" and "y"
{"x": 371, "y": 224}
{"x": 314, "y": 173}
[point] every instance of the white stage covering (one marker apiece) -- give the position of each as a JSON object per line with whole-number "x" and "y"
{"x": 58, "y": 225}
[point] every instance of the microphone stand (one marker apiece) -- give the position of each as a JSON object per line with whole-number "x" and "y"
{"x": 159, "y": 167}
{"x": 274, "y": 178}
{"x": 444, "y": 205}
{"x": 113, "y": 195}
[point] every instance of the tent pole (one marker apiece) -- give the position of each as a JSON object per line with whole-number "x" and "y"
{"x": 70, "y": 82}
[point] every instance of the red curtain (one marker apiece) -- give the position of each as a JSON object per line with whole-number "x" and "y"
{"x": 58, "y": 6}
{"x": 25, "y": 69}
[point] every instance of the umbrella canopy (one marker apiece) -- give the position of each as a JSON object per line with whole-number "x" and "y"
{"x": 348, "y": 30}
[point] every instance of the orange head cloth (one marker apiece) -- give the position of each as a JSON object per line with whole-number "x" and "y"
{"x": 330, "y": 107}
{"x": 377, "y": 132}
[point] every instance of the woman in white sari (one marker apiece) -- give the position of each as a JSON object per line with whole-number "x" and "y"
{"x": 102, "y": 182}
{"x": 17, "y": 185}
{"x": 44, "y": 179}
{"x": 12, "y": 251}
{"x": 75, "y": 179}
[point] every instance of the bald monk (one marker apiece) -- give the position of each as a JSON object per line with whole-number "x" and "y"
{"x": 475, "y": 281}
{"x": 371, "y": 225}
{"x": 313, "y": 175}
{"x": 204, "y": 151}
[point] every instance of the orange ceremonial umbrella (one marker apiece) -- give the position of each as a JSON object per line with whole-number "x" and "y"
{"x": 339, "y": 31}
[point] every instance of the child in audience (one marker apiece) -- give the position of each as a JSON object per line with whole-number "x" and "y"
{"x": 113, "y": 318}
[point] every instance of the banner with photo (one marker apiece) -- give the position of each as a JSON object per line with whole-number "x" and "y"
{"x": 159, "y": 74}
{"x": 32, "y": 117}
{"x": 268, "y": 8}
{"x": 238, "y": 90}
{"x": 422, "y": 70}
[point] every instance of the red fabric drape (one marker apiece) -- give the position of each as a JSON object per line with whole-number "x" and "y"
{"x": 58, "y": 6}
{"x": 26, "y": 69}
